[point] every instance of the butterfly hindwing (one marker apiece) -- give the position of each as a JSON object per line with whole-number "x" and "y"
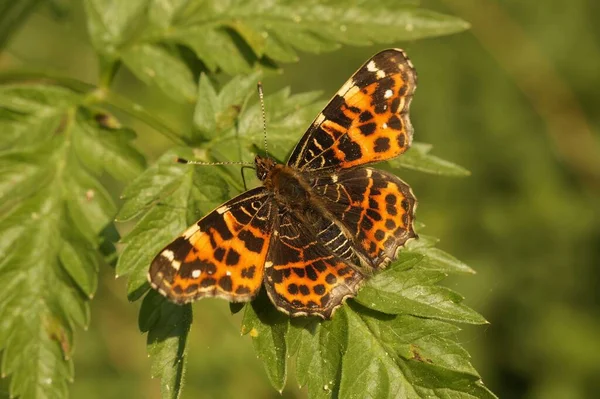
{"x": 375, "y": 207}
{"x": 302, "y": 276}
{"x": 366, "y": 121}
{"x": 222, "y": 255}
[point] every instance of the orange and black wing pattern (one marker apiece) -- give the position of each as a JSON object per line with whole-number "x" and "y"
{"x": 366, "y": 121}
{"x": 376, "y": 208}
{"x": 222, "y": 255}
{"x": 302, "y": 276}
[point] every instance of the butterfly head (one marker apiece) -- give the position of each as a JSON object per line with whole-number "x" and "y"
{"x": 263, "y": 166}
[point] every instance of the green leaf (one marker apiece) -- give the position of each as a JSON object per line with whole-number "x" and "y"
{"x": 54, "y": 211}
{"x": 112, "y": 23}
{"x": 168, "y": 326}
{"x": 216, "y": 113}
{"x": 319, "y": 355}
{"x": 273, "y": 28}
{"x": 436, "y": 259}
{"x": 387, "y": 360}
{"x": 407, "y": 288}
{"x": 418, "y": 158}
{"x": 236, "y": 36}
{"x": 268, "y": 327}
{"x": 154, "y": 65}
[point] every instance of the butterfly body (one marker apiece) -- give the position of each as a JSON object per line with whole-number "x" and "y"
{"x": 321, "y": 223}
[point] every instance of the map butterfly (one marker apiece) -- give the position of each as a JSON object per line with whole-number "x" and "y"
{"x": 320, "y": 224}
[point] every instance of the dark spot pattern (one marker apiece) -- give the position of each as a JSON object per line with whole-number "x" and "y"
{"x": 351, "y": 150}
{"x": 331, "y": 279}
{"x": 367, "y": 129}
{"x": 251, "y": 242}
{"x": 365, "y": 116}
{"x": 242, "y": 290}
{"x": 382, "y": 144}
{"x": 394, "y": 122}
{"x": 292, "y": 289}
{"x": 304, "y": 289}
{"x": 319, "y": 289}
{"x": 225, "y": 283}
{"x": 401, "y": 140}
{"x": 395, "y": 104}
{"x": 299, "y": 271}
{"x": 208, "y": 282}
{"x": 311, "y": 273}
{"x": 219, "y": 254}
{"x": 248, "y": 272}
{"x": 191, "y": 288}
{"x": 233, "y": 257}
{"x": 332, "y": 112}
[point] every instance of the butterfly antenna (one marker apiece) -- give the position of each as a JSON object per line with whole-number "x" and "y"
{"x": 185, "y": 161}
{"x": 261, "y": 96}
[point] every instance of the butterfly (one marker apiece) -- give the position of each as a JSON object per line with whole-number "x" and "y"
{"x": 319, "y": 225}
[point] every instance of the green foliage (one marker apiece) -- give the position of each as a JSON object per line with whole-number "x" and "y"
{"x": 62, "y": 150}
{"x": 54, "y": 212}
{"x": 233, "y": 36}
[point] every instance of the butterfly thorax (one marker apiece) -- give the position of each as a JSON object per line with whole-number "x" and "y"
{"x": 288, "y": 187}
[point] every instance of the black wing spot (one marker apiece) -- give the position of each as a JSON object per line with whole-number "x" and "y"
{"x": 401, "y": 140}
{"x": 351, "y": 150}
{"x": 319, "y": 289}
{"x": 292, "y": 289}
{"x": 331, "y": 279}
{"x": 304, "y": 289}
{"x": 382, "y": 144}
{"x": 368, "y": 128}
{"x": 226, "y": 283}
{"x": 208, "y": 282}
{"x": 365, "y": 116}
{"x": 394, "y": 122}
{"x": 233, "y": 257}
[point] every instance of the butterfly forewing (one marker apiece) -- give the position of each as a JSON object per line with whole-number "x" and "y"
{"x": 366, "y": 121}
{"x": 222, "y": 255}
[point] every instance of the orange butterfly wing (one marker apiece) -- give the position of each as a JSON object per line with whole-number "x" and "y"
{"x": 366, "y": 121}
{"x": 222, "y": 255}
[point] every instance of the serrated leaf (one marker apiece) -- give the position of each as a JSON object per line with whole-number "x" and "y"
{"x": 167, "y": 326}
{"x": 53, "y": 212}
{"x": 418, "y": 158}
{"x": 235, "y": 36}
{"x": 398, "y": 290}
{"x": 273, "y": 27}
{"x": 268, "y": 328}
{"x": 387, "y": 361}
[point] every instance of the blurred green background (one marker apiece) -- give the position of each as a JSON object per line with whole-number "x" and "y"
{"x": 515, "y": 100}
